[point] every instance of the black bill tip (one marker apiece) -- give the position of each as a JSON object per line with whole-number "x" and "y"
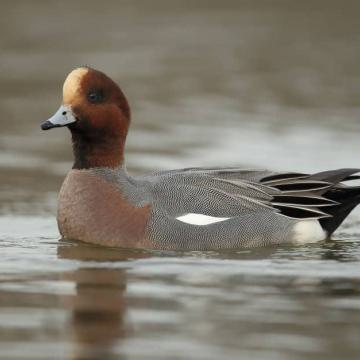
{"x": 48, "y": 125}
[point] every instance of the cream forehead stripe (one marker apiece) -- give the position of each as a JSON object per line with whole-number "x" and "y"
{"x": 71, "y": 86}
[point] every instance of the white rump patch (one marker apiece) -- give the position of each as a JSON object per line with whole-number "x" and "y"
{"x": 200, "y": 219}
{"x": 308, "y": 231}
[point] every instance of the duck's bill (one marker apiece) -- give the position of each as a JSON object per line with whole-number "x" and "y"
{"x": 64, "y": 116}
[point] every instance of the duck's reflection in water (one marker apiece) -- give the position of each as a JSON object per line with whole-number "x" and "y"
{"x": 98, "y": 308}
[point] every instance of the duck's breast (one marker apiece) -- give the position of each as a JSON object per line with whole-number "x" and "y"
{"x": 94, "y": 210}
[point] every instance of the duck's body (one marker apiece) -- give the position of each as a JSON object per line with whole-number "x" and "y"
{"x": 195, "y": 209}
{"x": 185, "y": 209}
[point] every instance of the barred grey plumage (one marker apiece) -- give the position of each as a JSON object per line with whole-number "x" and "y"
{"x": 263, "y": 207}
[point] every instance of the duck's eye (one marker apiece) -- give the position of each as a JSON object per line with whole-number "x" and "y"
{"x": 95, "y": 97}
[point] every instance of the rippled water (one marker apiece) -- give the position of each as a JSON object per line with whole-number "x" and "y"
{"x": 260, "y": 84}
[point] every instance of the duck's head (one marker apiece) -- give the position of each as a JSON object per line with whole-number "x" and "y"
{"x": 98, "y": 115}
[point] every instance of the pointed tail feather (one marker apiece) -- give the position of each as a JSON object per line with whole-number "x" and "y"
{"x": 335, "y": 176}
{"x": 348, "y": 198}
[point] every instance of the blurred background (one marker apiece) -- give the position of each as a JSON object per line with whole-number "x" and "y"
{"x": 252, "y": 83}
{"x": 261, "y": 83}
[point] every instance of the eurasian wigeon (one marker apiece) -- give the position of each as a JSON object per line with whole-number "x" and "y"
{"x": 185, "y": 209}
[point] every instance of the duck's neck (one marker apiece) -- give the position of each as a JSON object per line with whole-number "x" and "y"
{"x": 97, "y": 151}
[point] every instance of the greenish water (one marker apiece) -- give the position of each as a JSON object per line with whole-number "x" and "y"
{"x": 241, "y": 83}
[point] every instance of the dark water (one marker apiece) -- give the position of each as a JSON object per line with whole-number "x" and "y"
{"x": 270, "y": 84}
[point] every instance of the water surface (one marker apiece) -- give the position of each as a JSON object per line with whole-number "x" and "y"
{"x": 241, "y": 83}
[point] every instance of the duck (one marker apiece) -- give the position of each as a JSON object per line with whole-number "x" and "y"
{"x": 189, "y": 209}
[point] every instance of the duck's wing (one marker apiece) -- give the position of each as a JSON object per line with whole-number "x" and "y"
{"x": 231, "y": 192}
{"x": 207, "y": 209}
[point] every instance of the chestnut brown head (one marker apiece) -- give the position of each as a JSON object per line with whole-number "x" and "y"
{"x": 98, "y": 115}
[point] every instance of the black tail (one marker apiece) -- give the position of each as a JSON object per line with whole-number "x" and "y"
{"x": 347, "y": 197}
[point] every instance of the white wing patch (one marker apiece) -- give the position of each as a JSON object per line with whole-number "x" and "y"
{"x": 200, "y": 219}
{"x": 308, "y": 231}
